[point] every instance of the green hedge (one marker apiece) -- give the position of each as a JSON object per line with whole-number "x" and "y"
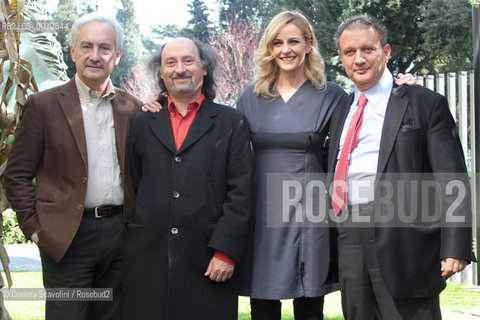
{"x": 11, "y": 231}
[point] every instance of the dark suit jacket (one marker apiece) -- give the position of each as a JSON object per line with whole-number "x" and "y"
{"x": 50, "y": 146}
{"x": 190, "y": 203}
{"x": 418, "y": 136}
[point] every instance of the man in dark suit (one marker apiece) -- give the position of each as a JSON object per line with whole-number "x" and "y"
{"x": 395, "y": 252}
{"x": 192, "y": 172}
{"x": 72, "y": 139}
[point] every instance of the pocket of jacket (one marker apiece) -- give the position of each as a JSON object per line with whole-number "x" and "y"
{"x": 213, "y": 194}
{"x": 43, "y": 198}
{"x": 407, "y": 149}
{"x": 133, "y": 226}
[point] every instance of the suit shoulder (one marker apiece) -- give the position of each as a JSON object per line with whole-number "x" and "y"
{"x": 142, "y": 117}
{"x": 425, "y": 99}
{"x": 424, "y": 92}
{"x": 139, "y": 121}
{"x": 48, "y": 93}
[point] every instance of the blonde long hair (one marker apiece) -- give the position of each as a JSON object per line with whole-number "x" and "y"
{"x": 267, "y": 70}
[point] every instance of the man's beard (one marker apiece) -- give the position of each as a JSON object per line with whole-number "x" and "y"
{"x": 184, "y": 90}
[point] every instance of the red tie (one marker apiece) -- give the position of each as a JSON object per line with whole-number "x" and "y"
{"x": 340, "y": 186}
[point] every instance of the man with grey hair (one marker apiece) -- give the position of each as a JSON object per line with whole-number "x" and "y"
{"x": 72, "y": 140}
{"x": 191, "y": 166}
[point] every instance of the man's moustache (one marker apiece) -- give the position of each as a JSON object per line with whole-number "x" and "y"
{"x": 181, "y": 75}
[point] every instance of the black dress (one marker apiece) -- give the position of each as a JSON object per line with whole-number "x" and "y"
{"x": 290, "y": 248}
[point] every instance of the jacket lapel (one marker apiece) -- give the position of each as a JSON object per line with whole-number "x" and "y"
{"x": 162, "y": 128}
{"x": 202, "y": 123}
{"x": 336, "y": 133}
{"x": 120, "y": 123}
{"x": 70, "y": 104}
{"x": 396, "y": 107}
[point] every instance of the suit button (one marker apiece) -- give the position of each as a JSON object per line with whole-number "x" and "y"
{"x": 176, "y": 195}
{"x": 174, "y": 231}
{"x": 84, "y": 180}
{"x": 178, "y": 159}
{"x": 80, "y": 206}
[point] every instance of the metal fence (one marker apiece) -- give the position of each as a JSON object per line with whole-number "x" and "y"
{"x": 459, "y": 88}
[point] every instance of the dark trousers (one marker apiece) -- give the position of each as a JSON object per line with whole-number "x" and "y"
{"x": 303, "y": 309}
{"x": 93, "y": 260}
{"x": 364, "y": 295}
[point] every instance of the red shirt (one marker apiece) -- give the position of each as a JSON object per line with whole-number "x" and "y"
{"x": 180, "y": 126}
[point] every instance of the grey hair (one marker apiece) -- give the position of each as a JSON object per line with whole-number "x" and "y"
{"x": 362, "y": 21}
{"x": 97, "y": 17}
{"x": 209, "y": 63}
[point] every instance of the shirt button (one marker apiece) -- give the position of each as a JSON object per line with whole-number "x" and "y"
{"x": 80, "y": 206}
{"x": 176, "y": 195}
{"x": 178, "y": 159}
{"x": 174, "y": 231}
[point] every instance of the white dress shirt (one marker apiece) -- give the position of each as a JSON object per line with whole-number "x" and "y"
{"x": 363, "y": 163}
{"x": 104, "y": 186}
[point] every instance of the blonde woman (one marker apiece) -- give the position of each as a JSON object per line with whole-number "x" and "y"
{"x": 288, "y": 108}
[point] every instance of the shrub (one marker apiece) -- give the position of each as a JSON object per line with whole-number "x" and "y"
{"x": 11, "y": 231}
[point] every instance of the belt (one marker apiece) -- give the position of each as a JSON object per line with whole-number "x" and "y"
{"x": 103, "y": 211}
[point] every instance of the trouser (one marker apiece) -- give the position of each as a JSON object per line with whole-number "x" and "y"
{"x": 303, "y": 309}
{"x": 364, "y": 295}
{"x": 93, "y": 260}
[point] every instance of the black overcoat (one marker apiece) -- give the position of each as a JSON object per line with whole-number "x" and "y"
{"x": 190, "y": 203}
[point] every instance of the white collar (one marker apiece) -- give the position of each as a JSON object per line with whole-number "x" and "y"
{"x": 86, "y": 93}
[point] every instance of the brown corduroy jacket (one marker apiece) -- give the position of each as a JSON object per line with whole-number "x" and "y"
{"x": 50, "y": 146}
